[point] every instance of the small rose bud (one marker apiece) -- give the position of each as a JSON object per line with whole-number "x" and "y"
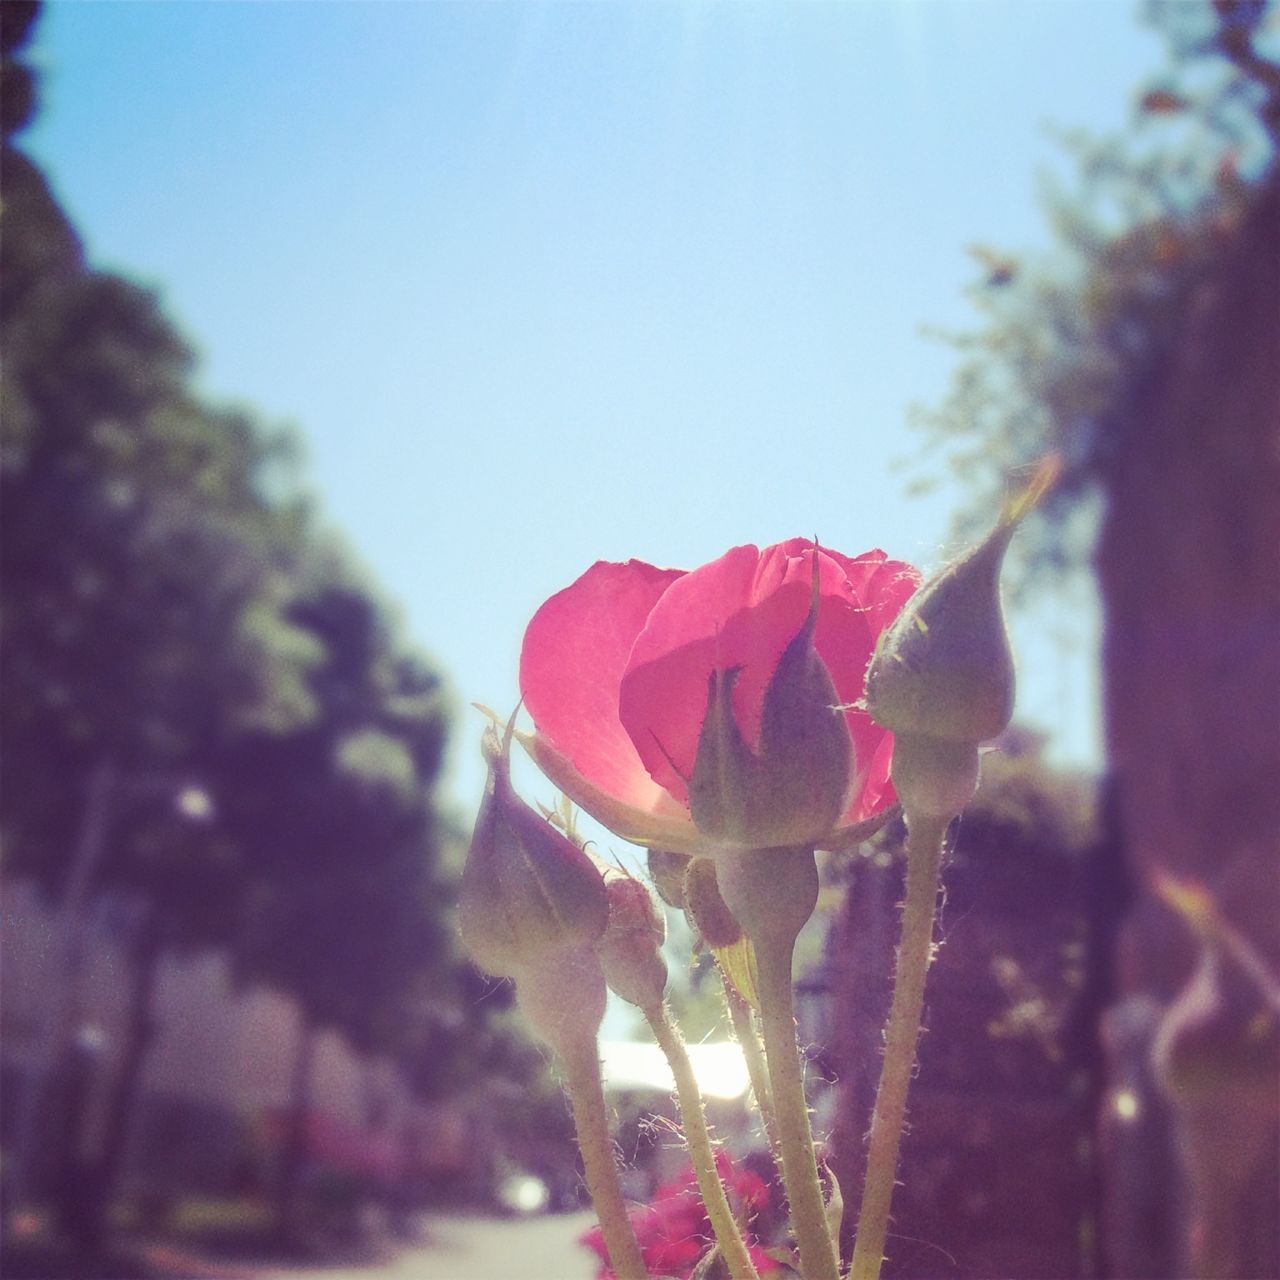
{"x": 527, "y": 890}
{"x": 714, "y": 923}
{"x": 794, "y": 790}
{"x": 944, "y": 668}
{"x": 667, "y": 871}
{"x": 706, "y": 909}
{"x": 630, "y": 951}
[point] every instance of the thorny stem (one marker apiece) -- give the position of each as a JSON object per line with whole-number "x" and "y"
{"x": 924, "y": 859}
{"x": 581, "y": 1062}
{"x": 799, "y": 1166}
{"x": 698, "y": 1139}
{"x": 744, "y": 1028}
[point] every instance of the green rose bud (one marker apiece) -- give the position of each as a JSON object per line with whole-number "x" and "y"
{"x": 942, "y": 676}
{"x": 528, "y": 891}
{"x": 944, "y": 668}
{"x": 714, "y": 923}
{"x": 705, "y": 908}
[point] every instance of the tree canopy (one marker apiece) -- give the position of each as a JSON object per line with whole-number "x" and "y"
{"x": 1068, "y": 343}
{"x": 178, "y": 617}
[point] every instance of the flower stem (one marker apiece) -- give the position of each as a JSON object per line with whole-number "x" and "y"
{"x": 924, "y": 859}
{"x": 698, "y": 1139}
{"x": 799, "y": 1166}
{"x": 744, "y": 1028}
{"x": 581, "y": 1062}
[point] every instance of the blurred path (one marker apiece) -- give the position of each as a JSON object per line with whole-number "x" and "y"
{"x": 475, "y": 1248}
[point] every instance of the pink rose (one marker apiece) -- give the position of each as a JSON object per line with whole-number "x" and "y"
{"x": 662, "y": 697}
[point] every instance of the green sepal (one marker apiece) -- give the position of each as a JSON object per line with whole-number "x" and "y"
{"x": 794, "y": 790}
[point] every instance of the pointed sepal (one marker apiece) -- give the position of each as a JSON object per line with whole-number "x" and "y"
{"x": 793, "y": 790}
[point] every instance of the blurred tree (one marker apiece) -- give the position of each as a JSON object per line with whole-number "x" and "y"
{"x": 1149, "y": 362}
{"x": 1000, "y": 1112}
{"x": 145, "y": 576}
{"x": 205, "y": 709}
{"x": 348, "y": 914}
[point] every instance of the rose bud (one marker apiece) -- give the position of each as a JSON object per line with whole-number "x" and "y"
{"x": 630, "y": 951}
{"x": 528, "y": 891}
{"x": 706, "y": 909}
{"x": 944, "y": 668}
{"x": 942, "y": 676}
{"x": 715, "y": 924}
{"x": 667, "y": 871}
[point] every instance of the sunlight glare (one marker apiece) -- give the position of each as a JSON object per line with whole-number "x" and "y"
{"x": 718, "y": 1067}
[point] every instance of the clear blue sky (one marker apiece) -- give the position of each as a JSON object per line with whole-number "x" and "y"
{"x": 545, "y": 283}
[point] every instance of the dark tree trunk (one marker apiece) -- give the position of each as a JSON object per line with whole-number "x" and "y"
{"x": 59, "y": 1082}
{"x": 94, "y": 1189}
{"x": 294, "y": 1151}
{"x": 1189, "y": 567}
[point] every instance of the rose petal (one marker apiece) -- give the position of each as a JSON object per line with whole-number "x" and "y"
{"x": 873, "y": 792}
{"x": 575, "y": 650}
{"x": 882, "y": 585}
{"x": 739, "y": 611}
{"x": 667, "y": 825}
{"x": 846, "y": 636}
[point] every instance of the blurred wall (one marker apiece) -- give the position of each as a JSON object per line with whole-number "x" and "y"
{"x": 220, "y": 1063}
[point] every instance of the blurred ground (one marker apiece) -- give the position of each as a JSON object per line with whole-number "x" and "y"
{"x": 454, "y": 1246}
{"x": 477, "y": 1248}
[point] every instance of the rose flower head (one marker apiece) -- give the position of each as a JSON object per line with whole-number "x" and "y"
{"x": 697, "y": 711}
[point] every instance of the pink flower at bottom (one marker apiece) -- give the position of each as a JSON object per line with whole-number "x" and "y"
{"x": 673, "y": 1230}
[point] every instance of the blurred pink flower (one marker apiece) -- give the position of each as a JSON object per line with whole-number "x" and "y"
{"x": 673, "y": 1230}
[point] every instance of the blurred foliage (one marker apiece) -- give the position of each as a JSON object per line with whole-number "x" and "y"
{"x": 174, "y": 615}
{"x": 1067, "y": 344}
{"x": 1027, "y": 815}
{"x": 998, "y": 1162}
{"x": 1027, "y": 808}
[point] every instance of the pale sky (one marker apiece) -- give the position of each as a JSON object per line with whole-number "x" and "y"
{"x": 544, "y": 283}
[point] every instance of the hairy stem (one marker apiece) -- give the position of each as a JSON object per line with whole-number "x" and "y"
{"x": 744, "y": 1028}
{"x": 729, "y": 1238}
{"x": 924, "y": 859}
{"x": 581, "y": 1062}
{"x": 799, "y": 1165}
